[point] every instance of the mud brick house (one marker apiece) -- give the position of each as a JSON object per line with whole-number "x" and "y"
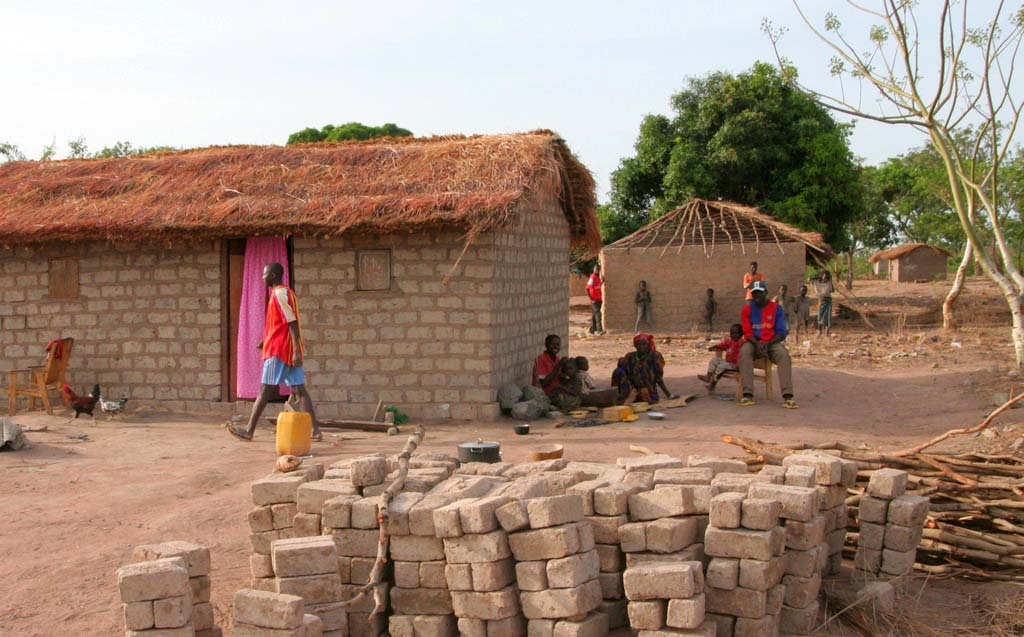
{"x": 704, "y": 244}
{"x": 910, "y": 263}
{"x": 428, "y": 271}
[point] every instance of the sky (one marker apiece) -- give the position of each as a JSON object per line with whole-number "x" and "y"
{"x": 190, "y": 74}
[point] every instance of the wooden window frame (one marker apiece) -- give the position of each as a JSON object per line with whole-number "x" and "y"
{"x": 69, "y": 288}
{"x": 359, "y": 254}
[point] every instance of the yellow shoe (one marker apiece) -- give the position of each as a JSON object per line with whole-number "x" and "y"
{"x": 789, "y": 403}
{"x": 746, "y": 401}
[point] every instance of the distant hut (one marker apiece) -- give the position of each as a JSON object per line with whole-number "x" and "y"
{"x": 911, "y": 263}
{"x": 704, "y": 244}
{"x": 428, "y": 271}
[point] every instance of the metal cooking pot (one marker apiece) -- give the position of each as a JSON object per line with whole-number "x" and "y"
{"x": 480, "y": 451}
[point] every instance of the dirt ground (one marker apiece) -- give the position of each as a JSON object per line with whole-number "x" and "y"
{"x": 73, "y": 509}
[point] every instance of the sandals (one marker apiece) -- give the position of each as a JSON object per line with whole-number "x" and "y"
{"x": 746, "y": 401}
{"x": 789, "y": 403}
{"x": 704, "y": 378}
{"x": 317, "y": 437}
{"x": 240, "y": 435}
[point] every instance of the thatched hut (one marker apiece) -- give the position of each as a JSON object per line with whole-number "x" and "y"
{"x": 703, "y": 244}
{"x": 911, "y": 262}
{"x": 428, "y": 271}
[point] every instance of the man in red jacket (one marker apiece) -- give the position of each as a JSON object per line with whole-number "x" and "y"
{"x": 596, "y": 294}
{"x": 764, "y": 330}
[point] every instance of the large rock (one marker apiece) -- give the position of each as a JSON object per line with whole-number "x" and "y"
{"x": 534, "y": 393}
{"x": 530, "y": 409}
{"x": 508, "y": 395}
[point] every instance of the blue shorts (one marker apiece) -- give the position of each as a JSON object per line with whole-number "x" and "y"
{"x": 276, "y": 372}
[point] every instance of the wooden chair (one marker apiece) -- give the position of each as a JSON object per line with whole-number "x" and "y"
{"x": 41, "y": 379}
{"x": 762, "y": 365}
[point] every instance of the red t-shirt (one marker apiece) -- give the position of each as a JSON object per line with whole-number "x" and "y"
{"x": 277, "y": 338}
{"x": 543, "y": 366}
{"x": 731, "y": 349}
{"x": 594, "y": 284}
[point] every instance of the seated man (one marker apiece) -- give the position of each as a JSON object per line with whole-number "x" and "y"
{"x": 764, "y": 330}
{"x": 545, "y": 363}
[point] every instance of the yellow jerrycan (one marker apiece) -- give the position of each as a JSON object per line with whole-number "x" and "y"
{"x": 294, "y": 433}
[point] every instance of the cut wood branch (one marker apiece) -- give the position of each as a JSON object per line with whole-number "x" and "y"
{"x": 960, "y": 432}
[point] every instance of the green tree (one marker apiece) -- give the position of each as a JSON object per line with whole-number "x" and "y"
{"x": 351, "y": 130}
{"x": 751, "y": 138}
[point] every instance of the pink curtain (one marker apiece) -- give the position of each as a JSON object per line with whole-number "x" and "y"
{"x": 252, "y": 314}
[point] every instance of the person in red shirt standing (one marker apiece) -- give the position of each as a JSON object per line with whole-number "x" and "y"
{"x": 594, "y": 290}
{"x": 282, "y": 353}
{"x": 717, "y": 366}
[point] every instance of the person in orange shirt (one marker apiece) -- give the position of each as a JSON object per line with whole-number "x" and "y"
{"x": 750, "y": 277}
{"x": 282, "y": 353}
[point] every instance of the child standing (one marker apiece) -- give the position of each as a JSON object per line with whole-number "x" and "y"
{"x": 717, "y": 366}
{"x": 710, "y": 309}
{"x": 643, "y": 306}
{"x": 785, "y": 301}
{"x": 801, "y": 312}
{"x": 824, "y": 288}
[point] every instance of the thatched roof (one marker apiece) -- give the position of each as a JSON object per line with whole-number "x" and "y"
{"x": 905, "y": 249}
{"x": 388, "y": 185}
{"x": 721, "y": 224}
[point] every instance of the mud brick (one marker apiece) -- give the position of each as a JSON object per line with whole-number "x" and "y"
{"x": 513, "y": 516}
{"x": 485, "y": 547}
{"x": 702, "y": 495}
{"x": 760, "y": 514}
{"x": 283, "y": 514}
{"x": 667, "y": 501}
{"x": 866, "y": 559}
{"x": 304, "y": 556}
{"x": 431, "y": 574}
{"x": 805, "y": 535}
{"x": 557, "y": 603}
{"x": 421, "y": 601}
{"x": 717, "y": 465}
{"x": 555, "y": 510}
{"x": 850, "y": 470}
{"x": 887, "y": 483}
{"x": 345, "y": 568}
{"x": 489, "y": 606}
{"x": 447, "y": 520}
{"x": 747, "y": 627}
{"x": 417, "y": 548}
{"x": 400, "y": 626}
{"x": 276, "y": 488}
{"x": 642, "y": 479}
{"x": 840, "y": 516}
{"x": 263, "y": 584}
{"x": 545, "y": 544}
{"x": 421, "y": 517}
{"x": 616, "y": 611}
{"x": 532, "y": 576}
{"x": 724, "y": 624}
{"x": 741, "y": 602}
{"x": 593, "y": 625}
{"x": 647, "y": 615}
{"x": 407, "y": 574}
{"x": 606, "y": 528}
{"x": 873, "y": 510}
{"x": 540, "y": 627}
{"x": 306, "y": 525}
{"x": 611, "y": 585}
{"x": 707, "y": 629}
{"x": 310, "y": 497}
{"x": 908, "y": 510}
{"x": 798, "y": 621}
{"x": 526, "y": 488}
{"x": 686, "y": 613}
{"x": 138, "y": 615}
{"x": 827, "y": 469}
{"x": 801, "y": 591}
{"x": 649, "y": 463}
{"x": 586, "y": 534}
{"x": 151, "y": 580}
{"x": 740, "y": 543}
{"x": 633, "y": 537}
{"x": 773, "y": 470}
{"x": 458, "y": 577}
{"x": 693, "y": 553}
{"x": 775, "y": 598}
{"x": 669, "y": 535}
{"x": 364, "y": 513}
{"x": 337, "y": 511}
{"x": 761, "y": 575}
{"x": 172, "y": 612}
{"x": 571, "y": 571}
{"x": 803, "y": 563}
{"x": 493, "y": 576}
{"x": 614, "y": 499}
{"x": 723, "y": 573}
{"x": 331, "y": 619}
{"x": 830, "y": 496}
{"x": 531, "y": 468}
{"x": 367, "y": 471}
{"x": 586, "y": 491}
{"x": 610, "y": 557}
{"x": 314, "y": 589}
{"x": 478, "y": 516}
{"x": 835, "y": 541}
{"x": 269, "y": 610}
{"x": 202, "y": 616}
{"x": 261, "y": 565}
{"x": 695, "y": 475}
{"x": 797, "y": 503}
{"x": 897, "y": 562}
{"x": 514, "y": 626}
{"x": 261, "y": 519}
{"x": 740, "y": 482}
{"x": 197, "y": 557}
{"x": 726, "y": 510}
{"x": 360, "y": 567}
{"x": 360, "y": 625}
{"x": 248, "y": 630}
{"x": 872, "y": 536}
{"x": 663, "y": 580}
{"x": 472, "y": 627}
{"x": 398, "y": 512}
{"x": 434, "y": 626}
{"x": 801, "y": 476}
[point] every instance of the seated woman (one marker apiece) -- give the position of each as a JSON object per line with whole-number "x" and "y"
{"x": 545, "y": 363}
{"x": 640, "y": 373}
{"x": 564, "y": 386}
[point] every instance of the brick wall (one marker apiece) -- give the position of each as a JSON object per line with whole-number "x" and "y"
{"x": 678, "y": 282}
{"x": 919, "y": 265}
{"x": 146, "y": 320}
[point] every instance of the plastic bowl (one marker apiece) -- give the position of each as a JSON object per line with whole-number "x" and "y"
{"x": 523, "y": 429}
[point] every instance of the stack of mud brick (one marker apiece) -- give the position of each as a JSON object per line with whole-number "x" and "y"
{"x": 266, "y": 614}
{"x": 891, "y": 524}
{"x": 157, "y": 598}
{"x": 197, "y": 561}
{"x": 667, "y": 598}
{"x": 832, "y": 477}
{"x": 746, "y": 542}
{"x": 556, "y": 567}
{"x": 273, "y": 517}
{"x": 307, "y": 568}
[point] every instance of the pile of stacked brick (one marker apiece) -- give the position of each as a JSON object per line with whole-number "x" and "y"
{"x": 273, "y": 517}
{"x": 891, "y": 524}
{"x": 556, "y": 567}
{"x": 307, "y": 568}
{"x": 265, "y": 614}
{"x": 746, "y": 543}
{"x": 197, "y": 561}
{"x": 157, "y": 598}
{"x": 667, "y": 598}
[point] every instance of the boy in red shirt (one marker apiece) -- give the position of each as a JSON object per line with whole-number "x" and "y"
{"x": 545, "y": 363}
{"x": 282, "y": 353}
{"x": 717, "y": 366}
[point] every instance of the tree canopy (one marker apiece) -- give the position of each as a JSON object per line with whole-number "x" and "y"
{"x": 751, "y": 138}
{"x": 351, "y": 130}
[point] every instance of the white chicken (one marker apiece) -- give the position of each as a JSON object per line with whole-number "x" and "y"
{"x": 112, "y": 407}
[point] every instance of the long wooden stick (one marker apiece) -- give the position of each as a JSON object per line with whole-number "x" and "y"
{"x": 959, "y": 432}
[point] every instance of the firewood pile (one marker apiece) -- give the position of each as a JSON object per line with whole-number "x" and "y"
{"x": 975, "y": 526}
